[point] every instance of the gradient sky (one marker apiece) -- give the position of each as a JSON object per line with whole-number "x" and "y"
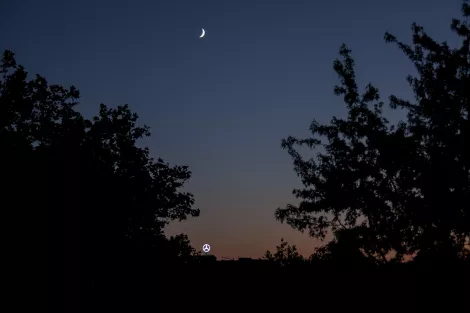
{"x": 223, "y": 103}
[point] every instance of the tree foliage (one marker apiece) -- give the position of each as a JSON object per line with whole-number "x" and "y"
{"x": 346, "y": 250}
{"x": 182, "y": 249}
{"x": 89, "y": 174}
{"x": 404, "y": 187}
{"x": 285, "y": 255}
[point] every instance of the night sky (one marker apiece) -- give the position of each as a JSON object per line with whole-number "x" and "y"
{"x": 221, "y": 104}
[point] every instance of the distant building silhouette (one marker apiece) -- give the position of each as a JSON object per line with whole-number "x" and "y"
{"x": 207, "y": 258}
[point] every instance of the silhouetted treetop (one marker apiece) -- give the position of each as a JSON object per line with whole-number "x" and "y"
{"x": 404, "y": 187}
{"x": 285, "y": 255}
{"x": 92, "y": 170}
{"x": 31, "y": 111}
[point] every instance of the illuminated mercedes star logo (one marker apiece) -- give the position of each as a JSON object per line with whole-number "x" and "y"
{"x": 206, "y": 248}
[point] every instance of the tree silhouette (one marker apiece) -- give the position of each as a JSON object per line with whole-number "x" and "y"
{"x": 405, "y": 187}
{"x": 285, "y": 255}
{"x": 147, "y": 190}
{"x": 346, "y": 250}
{"x": 107, "y": 199}
{"x": 181, "y": 248}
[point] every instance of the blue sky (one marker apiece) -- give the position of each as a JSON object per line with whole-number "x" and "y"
{"x": 223, "y": 103}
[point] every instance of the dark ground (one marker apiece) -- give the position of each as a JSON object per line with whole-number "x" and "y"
{"x": 227, "y": 287}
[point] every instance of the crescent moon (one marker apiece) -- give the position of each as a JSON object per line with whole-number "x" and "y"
{"x": 203, "y": 33}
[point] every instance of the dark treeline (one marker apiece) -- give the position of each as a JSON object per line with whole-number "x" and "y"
{"x": 395, "y": 197}
{"x": 390, "y": 193}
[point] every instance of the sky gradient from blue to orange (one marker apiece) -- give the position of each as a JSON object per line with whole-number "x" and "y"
{"x": 221, "y": 104}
